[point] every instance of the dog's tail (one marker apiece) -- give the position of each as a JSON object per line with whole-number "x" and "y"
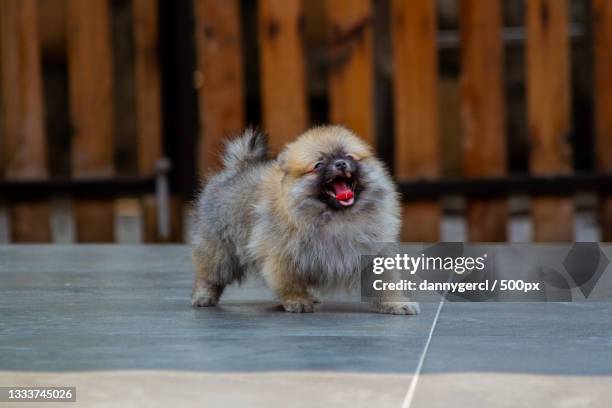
{"x": 250, "y": 147}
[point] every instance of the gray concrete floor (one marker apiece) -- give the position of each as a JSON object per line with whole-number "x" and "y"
{"x": 115, "y": 319}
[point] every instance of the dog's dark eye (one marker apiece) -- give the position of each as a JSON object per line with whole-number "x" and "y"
{"x": 318, "y": 165}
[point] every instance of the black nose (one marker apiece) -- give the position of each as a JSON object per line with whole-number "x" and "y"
{"x": 341, "y": 164}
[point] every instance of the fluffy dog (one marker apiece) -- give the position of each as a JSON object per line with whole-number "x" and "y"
{"x": 302, "y": 220}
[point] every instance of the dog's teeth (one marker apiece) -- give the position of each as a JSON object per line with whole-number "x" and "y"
{"x": 348, "y": 174}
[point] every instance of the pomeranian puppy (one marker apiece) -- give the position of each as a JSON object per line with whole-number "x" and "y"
{"x": 302, "y": 220}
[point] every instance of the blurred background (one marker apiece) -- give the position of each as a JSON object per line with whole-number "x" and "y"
{"x": 495, "y": 117}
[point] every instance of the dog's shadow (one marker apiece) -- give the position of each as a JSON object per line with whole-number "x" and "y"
{"x": 272, "y": 307}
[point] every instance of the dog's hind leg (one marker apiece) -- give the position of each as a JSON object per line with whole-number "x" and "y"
{"x": 215, "y": 268}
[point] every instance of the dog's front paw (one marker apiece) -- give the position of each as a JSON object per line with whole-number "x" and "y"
{"x": 398, "y": 308}
{"x": 298, "y": 306}
{"x": 203, "y": 298}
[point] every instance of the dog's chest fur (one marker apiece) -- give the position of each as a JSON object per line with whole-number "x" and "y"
{"x": 328, "y": 253}
{"x": 331, "y": 258}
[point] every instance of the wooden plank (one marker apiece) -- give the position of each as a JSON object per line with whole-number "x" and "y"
{"x": 25, "y": 148}
{"x": 148, "y": 110}
{"x": 548, "y": 112}
{"x": 220, "y": 77}
{"x": 283, "y": 70}
{"x": 351, "y": 74}
{"x": 482, "y": 112}
{"x": 91, "y": 111}
{"x": 602, "y": 30}
{"x": 149, "y": 219}
{"x": 417, "y": 144}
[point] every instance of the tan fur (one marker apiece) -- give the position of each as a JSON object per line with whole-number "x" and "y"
{"x": 299, "y": 155}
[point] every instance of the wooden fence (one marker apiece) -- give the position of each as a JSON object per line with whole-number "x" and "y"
{"x": 90, "y": 71}
{"x": 220, "y": 82}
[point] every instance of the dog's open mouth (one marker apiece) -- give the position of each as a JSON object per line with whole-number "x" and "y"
{"x": 342, "y": 189}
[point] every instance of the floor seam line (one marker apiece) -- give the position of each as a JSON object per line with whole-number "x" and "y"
{"x": 417, "y": 372}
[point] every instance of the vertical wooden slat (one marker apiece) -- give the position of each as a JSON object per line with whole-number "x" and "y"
{"x": 602, "y": 29}
{"x": 25, "y": 149}
{"x": 482, "y": 112}
{"x": 91, "y": 111}
{"x": 220, "y": 77}
{"x": 548, "y": 112}
{"x": 148, "y": 112}
{"x": 283, "y": 70}
{"x": 351, "y": 74}
{"x": 417, "y": 144}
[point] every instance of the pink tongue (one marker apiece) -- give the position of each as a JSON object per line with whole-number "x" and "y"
{"x": 342, "y": 191}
